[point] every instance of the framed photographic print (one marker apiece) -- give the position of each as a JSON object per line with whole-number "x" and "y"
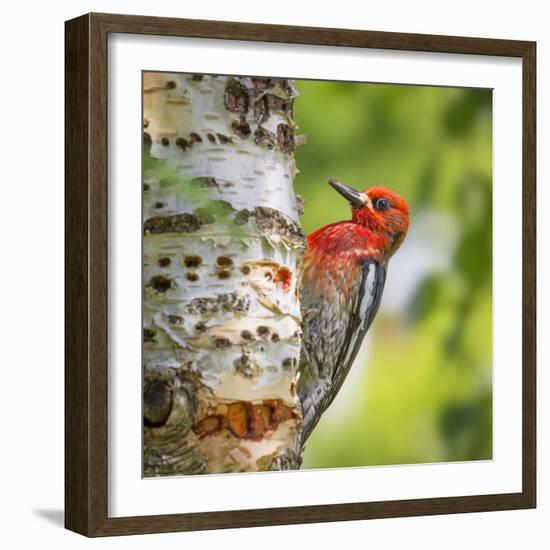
{"x": 300, "y": 274}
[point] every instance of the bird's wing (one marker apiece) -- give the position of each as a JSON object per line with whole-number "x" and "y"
{"x": 332, "y": 338}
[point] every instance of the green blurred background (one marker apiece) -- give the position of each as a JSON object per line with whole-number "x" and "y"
{"x": 421, "y": 387}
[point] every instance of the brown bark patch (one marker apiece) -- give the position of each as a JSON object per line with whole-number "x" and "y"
{"x": 236, "y": 97}
{"x": 210, "y": 425}
{"x": 246, "y": 420}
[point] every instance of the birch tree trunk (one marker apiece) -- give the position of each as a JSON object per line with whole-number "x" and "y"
{"x": 221, "y": 250}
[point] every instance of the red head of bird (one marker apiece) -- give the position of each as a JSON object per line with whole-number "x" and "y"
{"x": 381, "y": 211}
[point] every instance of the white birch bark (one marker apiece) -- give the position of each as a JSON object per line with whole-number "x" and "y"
{"x": 221, "y": 250}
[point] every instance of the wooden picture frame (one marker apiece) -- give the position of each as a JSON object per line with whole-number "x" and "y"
{"x": 86, "y": 223}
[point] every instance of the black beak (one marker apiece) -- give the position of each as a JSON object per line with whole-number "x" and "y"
{"x": 353, "y": 196}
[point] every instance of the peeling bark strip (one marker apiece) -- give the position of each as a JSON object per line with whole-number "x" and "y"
{"x": 222, "y": 243}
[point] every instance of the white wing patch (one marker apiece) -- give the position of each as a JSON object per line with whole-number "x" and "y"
{"x": 366, "y": 302}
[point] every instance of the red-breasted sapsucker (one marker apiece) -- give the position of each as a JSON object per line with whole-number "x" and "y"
{"x": 344, "y": 274}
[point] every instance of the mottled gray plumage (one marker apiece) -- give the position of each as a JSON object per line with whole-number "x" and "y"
{"x": 336, "y": 319}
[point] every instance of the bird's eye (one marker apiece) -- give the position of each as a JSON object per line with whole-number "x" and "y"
{"x": 381, "y": 204}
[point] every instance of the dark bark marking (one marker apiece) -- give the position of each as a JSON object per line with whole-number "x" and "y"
{"x": 285, "y": 138}
{"x": 222, "y": 343}
{"x": 224, "y": 261}
{"x": 204, "y": 182}
{"x": 265, "y": 138}
{"x": 287, "y": 363}
{"x": 147, "y": 141}
{"x": 247, "y": 336}
{"x": 241, "y": 217}
{"x": 300, "y": 202}
{"x": 157, "y": 403}
{"x": 192, "y": 261}
{"x": 160, "y": 283}
{"x": 241, "y": 128}
{"x": 221, "y": 303}
{"x": 149, "y": 335}
{"x": 243, "y": 366}
{"x": 182, "y": 143}
{"x": 236, "y": 97}
{"x": 178, "y": 223}
{"x": 261, "y": 110}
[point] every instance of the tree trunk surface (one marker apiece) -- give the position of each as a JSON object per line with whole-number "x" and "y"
{"x": 221, "y": 254}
